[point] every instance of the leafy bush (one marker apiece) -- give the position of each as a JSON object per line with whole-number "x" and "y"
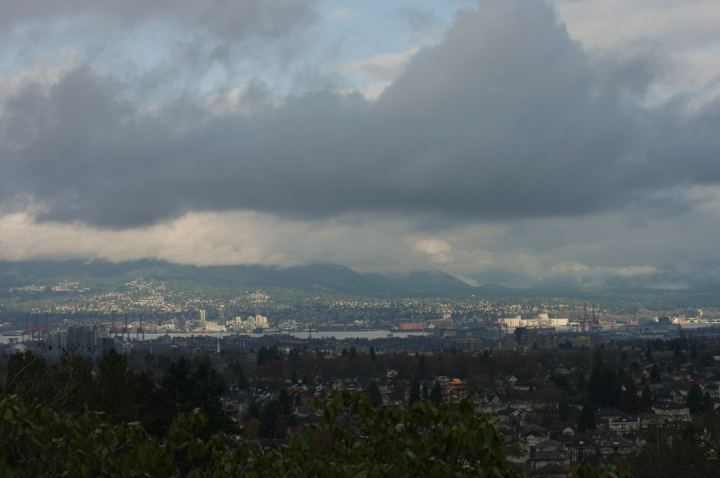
{"x": 352, "y": 440}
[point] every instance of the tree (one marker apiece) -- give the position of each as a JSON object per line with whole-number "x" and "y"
{"x": 373, "y": 356}
{"x": 115, "y": 386}
{"x": 268, "y": 419}
{"x": 645, "y": 399}
{"x": 586, "y": 420}
{"x": 604, "y": 387}
{"x": 648, "y": 354}
{"x": 268, "y": 354}
{"x": 421, "y": 372}
{"x": 285, "y": 407}
{"x": 694, "y": 352}
{"x": 599, "y": 358}
{"x": 436, "y": 394}
{"x": 655, "y": 374}
{"x": 563, "y": 410}
{"x": 694, "y": 400}
{"x": 253, "y": 410}
{"x": 207, "y": 388}
{"x": 414, "y": 392}
{"x": 365, "y": 442}
{"x": 242, "y": 381}
{"x": 376, "y": 398}
{"x": 582, "y": 383}
{"x": 352, "y": 354}
{"x": 630, "y": 401}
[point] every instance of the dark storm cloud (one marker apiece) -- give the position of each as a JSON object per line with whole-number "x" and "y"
{"x": 508, "y": 117}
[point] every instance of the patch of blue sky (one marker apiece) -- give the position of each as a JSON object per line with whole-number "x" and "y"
{"x": 348, "y": 31}
{"x": 381, "y": 27}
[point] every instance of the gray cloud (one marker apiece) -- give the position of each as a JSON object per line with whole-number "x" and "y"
{"x": 508, "y": 117}
{"x": 220, "y": 18}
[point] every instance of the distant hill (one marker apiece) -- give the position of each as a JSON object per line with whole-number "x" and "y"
{"x": 331, "y": 279}
{"x": 327, "y": 278}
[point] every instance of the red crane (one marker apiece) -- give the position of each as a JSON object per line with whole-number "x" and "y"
{"x": 26, "y": 330}
{"x": 114, "y": 327}
{"x": 46, "y": 330}
{"x": 141, "y": 330}
{"x": 36, "y": 329}
{"x": 125, "y": 329}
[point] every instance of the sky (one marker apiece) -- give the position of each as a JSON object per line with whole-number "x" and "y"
{"x": 526, "y": 143}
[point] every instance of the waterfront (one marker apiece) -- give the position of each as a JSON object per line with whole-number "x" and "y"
{"x": 321, "y": 334}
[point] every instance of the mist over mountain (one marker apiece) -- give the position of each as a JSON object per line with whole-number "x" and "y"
{"x": 327, "y": 279}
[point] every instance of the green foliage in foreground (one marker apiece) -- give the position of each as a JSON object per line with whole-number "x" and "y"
{"x": 352, "y": 440}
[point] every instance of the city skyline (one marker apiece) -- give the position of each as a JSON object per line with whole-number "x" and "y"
{"x": 523, "y": 143}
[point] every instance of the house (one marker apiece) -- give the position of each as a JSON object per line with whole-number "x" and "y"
{"x": 457, "y": 386}
{"x": 673, "y": 414}
{"x": 522, "y": 457}
{"x": 581, "y": 448}
{"x": 553, "y": 470}
{"x": 548, "y": 445}
{"x": 534, "y": 434}
{"x": 618, "y": 446}
{"x": 547, "y": 457}
{"x": 563, "y": 427}
{"x": 624, "y": 425}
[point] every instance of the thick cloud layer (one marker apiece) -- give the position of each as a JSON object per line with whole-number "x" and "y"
{"x": 507, "y": 124}
{"x": 508, "y": 117}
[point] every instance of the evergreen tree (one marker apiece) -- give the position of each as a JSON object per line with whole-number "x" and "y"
{"x": 425, "y": 392}
{"x": 376, "y": 398}
{"x": 599, "y": 358}
{"x": 586, "y": 420}
{"x": 694, "y": 400}
{"x": 630, "y": 401}
{"x": 421, "y": 372}
{"x": 24, "y": 375}
{"x": 268, "y": 420}
{"x": 285, "y": 407}
{"x": 253, "y": 410}
{"x": 604, "y": 387}
{"x": 648, "y": 354}
{"x": 436, "y": 394}
{"x": 148, "y": 359}
{"x": 207, "y": 387}
{"x": 114, "y": 385}
{"x": 373, "y": 356}
{"x": 352, "y": 354}
{"x": 414, "y": 392}
{"x": 694, "y": 352}
{"x": 582, "y": 383}
{"x": 595, "y": 385}
{"x": 646, "y": 399}
{"x": 344, "y": 352}
{"x": 564, "y": 410}
{"x": 655, "y": 374}
{"x": 242, "y": 381}
{"x": 622, "y": 376}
